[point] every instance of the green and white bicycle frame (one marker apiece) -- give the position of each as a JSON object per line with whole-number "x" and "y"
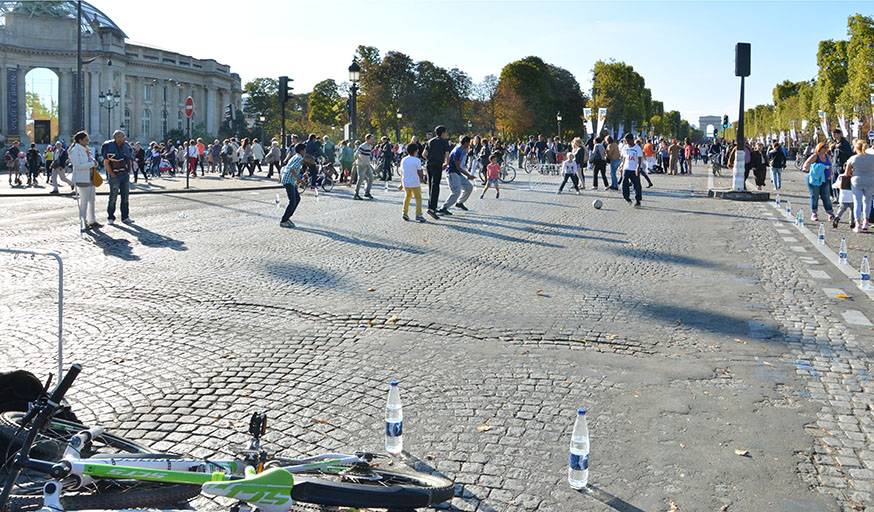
{"x": 269, "y": 491}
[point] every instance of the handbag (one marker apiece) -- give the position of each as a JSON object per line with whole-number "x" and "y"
{"x": 96, "y": 178}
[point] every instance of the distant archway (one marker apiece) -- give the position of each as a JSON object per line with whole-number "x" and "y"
{"x": 41, "y": 105}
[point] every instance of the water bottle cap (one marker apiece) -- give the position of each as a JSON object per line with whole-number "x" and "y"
{"x": 394, "y": 382}
{"x": 581, "y": 411}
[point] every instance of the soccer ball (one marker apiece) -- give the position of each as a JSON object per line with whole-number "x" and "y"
{"x": 597, "y": 203}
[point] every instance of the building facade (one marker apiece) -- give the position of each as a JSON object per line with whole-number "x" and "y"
{"x": 152, "y": 84}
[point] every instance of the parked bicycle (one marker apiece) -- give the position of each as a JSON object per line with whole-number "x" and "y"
{"x": 67, "y": 466}
{"x": 325, "y": 179}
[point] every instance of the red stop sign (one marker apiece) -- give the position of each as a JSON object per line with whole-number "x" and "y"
{"x": 189, "y": 107}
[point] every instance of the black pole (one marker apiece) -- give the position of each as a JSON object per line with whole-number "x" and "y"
{"x": 187, "y": 171}
{"x": 353, "y": 118}
{"x": 740, "y": 118}
{"x": 398, "y": 132}
{"x": 80, "y": 103}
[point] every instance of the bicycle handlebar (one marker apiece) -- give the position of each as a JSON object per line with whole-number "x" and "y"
{"x": 64, "y": 385}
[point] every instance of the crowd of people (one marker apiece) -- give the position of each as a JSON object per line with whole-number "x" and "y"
{"x": 834, "y": 172}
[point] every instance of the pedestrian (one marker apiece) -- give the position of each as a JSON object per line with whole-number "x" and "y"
{"x": 329, "y": 150}
{"x": 644, "y": 172}
{"x": 777, "y": 159}
{"x": 614, "y": 156}
{"x": 437, "y": 158}
{"x": 274, "y": 155}
{"x": 201, "y": 155}
{"x": 460, "y": 188}
{"x": 33, "y": 164}
{"x": 844, "y": 185}
{"x": 289, "y": 179}
{"x": 257, "y": 156}
{"x": 493, "y": 176}
{"x": 347, "y": 158}
{"x": 411, "y": 179}
{"x": 818, "y": 166}
{"x": 117, "y": 158}
{"x": 599, "y": 159}
{"x": 215, "y": 156}
{"x": 570, "y": 170}
{"x": 363, "y": 165}
{"x": 182, "y": 155}
{"x": 581, "y": 157}
{"x": 861, "y": 168}
{"x": 49, "y": 158}
{"x": 674, "y": 152}
{"x": 632, "y": 160}
{"x": 386, "y": 157}
{"x": 84, "y": 166}
{"x": 227, "y": 158}
{"x": 193, "y": 157}
{"x": 245, "y": 158}
{"x": 759, "y": 162}
{"x": 140, "y": 160}
{"x": 59, "y": 168}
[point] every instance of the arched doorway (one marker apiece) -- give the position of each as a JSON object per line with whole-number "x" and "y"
{"x": 41, "y": 100}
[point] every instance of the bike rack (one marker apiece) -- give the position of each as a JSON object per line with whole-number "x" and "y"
{"x": 57, "y": 257}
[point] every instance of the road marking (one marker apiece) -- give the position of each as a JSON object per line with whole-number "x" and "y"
{"x": 831, "y": 292}
{"x": 789, "y": 239}
{"x": 854, "y": 317}
{"x": 818, "y": 274}
{"x": 798, "y": 248}
{"x": 808, "y": 260}
{"x": 778, "y": 224}
{"x": 784, "y": 232}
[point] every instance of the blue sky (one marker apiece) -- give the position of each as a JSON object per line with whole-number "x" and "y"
{"x": 684, "y": 50}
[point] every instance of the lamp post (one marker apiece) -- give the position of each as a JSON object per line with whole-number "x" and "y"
{"x": 354, "y": 76}
{"x": 398, "y": 126}
{"x": 261, "y": 120}
{"x": 558, "y": 120}
{"x": 109, "y": 100}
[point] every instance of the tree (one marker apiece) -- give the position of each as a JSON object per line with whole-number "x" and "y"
{"x": 324, "y": 103}
{"x": 622, "y": 91}
{"x": 860, "y": 62}
{"x": 832, "y": 61}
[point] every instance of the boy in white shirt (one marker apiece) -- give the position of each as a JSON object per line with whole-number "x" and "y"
{"x": 411, "y": 177}
{"x": 632, "y": 161}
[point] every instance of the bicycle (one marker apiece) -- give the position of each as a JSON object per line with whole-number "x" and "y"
{"x": 325, "y": 178}
{"x": 87, "y": 479}
{"x": 508, "y": 174}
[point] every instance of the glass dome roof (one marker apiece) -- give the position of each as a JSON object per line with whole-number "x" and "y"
{"x": 92, "y": 17}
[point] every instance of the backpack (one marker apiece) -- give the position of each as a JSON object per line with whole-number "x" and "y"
{"x": 816, "y": 176}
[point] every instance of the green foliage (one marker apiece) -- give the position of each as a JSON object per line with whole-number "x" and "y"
{"x": 860, "y": 63}
{"x": 622, "y": 90}
{"x": 831, "y": 58}
{"x": 325, "y": 105}
{"x": 531, "y": 92}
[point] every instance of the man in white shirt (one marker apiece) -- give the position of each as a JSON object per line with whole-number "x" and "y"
{"x": 632, "y": 161}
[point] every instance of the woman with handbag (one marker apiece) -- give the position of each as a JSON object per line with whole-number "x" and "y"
{"x": 86, "y": 177}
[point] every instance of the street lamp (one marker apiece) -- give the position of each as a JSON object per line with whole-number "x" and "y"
{"x": 354, "y": 76}
{"x": 558, "y": 120}
{"x": 109, "y": 100}
{"x": 398, "y": 126}
{"x": 261, "y": 120}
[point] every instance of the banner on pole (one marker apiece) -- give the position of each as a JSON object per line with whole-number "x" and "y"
{"x": 602, "y": 116}
{"x": 842, "y": 122}
{"x": 823, "y": 123}
{"x": 793, "y": 135}
{"x": 804, "y": 123}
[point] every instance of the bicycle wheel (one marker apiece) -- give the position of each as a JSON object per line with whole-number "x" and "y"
{"x": 144, "y": 495}
{"x": 508, "y": 174}
{"x": 327, "y": 183}
{"x": 372, "y": 487}
{"x": 51, "y": 443}
{"x": 799, "y": 163}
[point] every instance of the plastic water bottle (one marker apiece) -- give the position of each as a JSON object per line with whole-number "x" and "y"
{"x": 865, "y": 274}
{"x": 788, "y": 207}
{"x": 799, "y": 218}
{"x": 276, "y": 203}
{"x": 578, "y": 460}
{"x": 394, "y": 421}
{"x": 842, "y": 252}
{"x": 821, "y": 236}
{"x": 777, "y": 200}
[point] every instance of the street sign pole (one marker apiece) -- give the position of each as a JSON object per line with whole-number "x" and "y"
{"x": 189, "y": 112}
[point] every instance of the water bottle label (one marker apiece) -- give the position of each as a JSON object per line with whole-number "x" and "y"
{"x": 578, "y": 462}
{"x": 394, "y": 428}
{"x": 842, "y": 255}
{"x": 866, "y": 277}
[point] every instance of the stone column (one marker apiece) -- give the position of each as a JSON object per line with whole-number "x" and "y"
{"x": 66, "y": 102}
{"x": 22, "y": 110}
{"x": 94, "y": 107}
{"x": 209, "y": 99}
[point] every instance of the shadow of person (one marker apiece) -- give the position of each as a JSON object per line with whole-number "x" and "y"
{"x": 150, "y": 238}
{"x": 117, "y": 247}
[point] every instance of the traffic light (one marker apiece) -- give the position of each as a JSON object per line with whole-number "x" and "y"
{"x": 725, "y": 121}
{"x": 285, "y": 89}
{"x": 229, "y": 112}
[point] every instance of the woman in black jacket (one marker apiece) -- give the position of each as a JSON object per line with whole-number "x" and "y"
{"x": 759, "y": 163}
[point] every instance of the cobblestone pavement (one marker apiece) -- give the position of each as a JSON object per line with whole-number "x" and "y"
{"x": 690, "y": 328}
{"x": 165, "y": 184}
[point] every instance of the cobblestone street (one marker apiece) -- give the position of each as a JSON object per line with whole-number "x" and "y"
{"x": 720, "y": 370}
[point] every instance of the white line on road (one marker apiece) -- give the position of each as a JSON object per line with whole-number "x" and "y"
{"x": 790, "y": 239}
{"x": 854, "y": 317}
{"x": 798, "y": 248}
{"x": 818, "y": 274}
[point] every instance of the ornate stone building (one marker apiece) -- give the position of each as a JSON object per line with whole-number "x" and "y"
{"x": 152, "y": 84}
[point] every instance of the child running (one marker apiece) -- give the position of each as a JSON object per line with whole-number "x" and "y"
{"x": 493, "y": 176}
{"x": 570, "y": 169}
{"x": 412, "y": 181}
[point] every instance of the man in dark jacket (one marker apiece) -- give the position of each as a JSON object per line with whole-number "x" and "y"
{"x": 33, "y": 164}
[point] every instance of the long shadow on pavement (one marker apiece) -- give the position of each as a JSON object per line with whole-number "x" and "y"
{"x": 118, "y": 247}
{"x": 610, "y": 500}
{"x": 497, "y": 236}
{"x": 657, "y": 256}
{"x": 150, "y": 238}
{"x": 535, "y": 231}
{"x": 710, "y": 321}
{"x": 338, "y": 237}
